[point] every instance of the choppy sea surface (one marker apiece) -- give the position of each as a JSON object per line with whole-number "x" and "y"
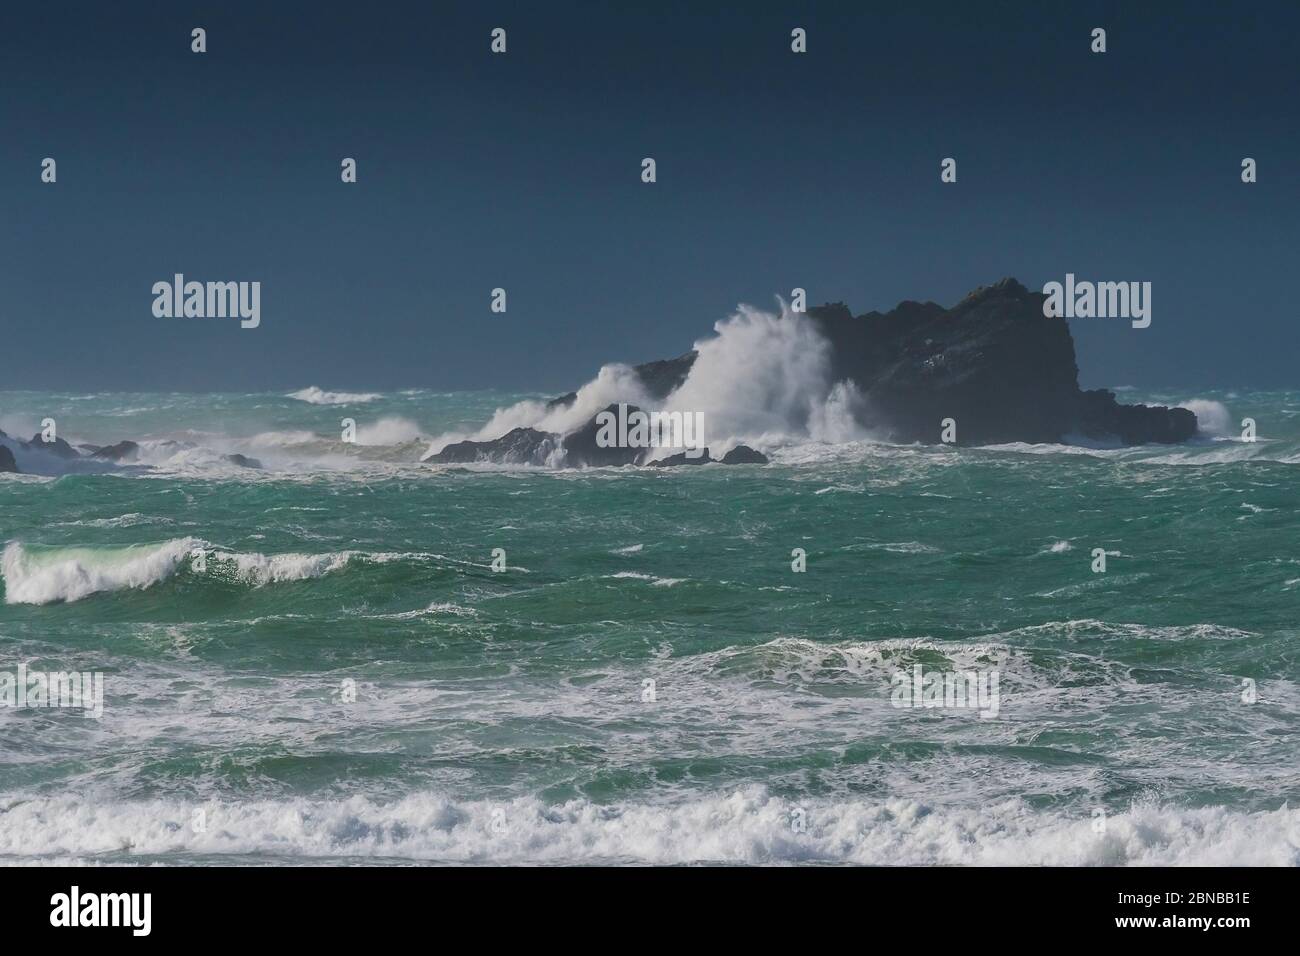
{"x": 348, "y": 680}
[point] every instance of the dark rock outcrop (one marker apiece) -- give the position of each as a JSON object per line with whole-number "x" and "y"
{"x": 660, "y": 379}
{"x": 521, "y": 446}
{"x": 7, "y": 463}
{"x": 582, "y": 451}
{"x": 665, "y": 376}
{"x": 578, "y": 449}
{"x": 744, "y": 455}
{"x": 58, "y": 447}
{"x": 682, "y": 458}
{"x": 1100, "y": 416}
{"x": 122, "y": 451}
{"x": 993, "y": 363}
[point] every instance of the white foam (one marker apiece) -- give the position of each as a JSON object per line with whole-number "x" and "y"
{"x": 652, "y": 579}
{"x": 742, "y": 826}
{"x": 1212, "y": 418}
{"x": 391, "y": 430}
{"x": 44, "y": 575}
{"x": 614, "y": 383}
{"x": 121, "y": 521}
{"x": 762, "y": 380}
{"x": 280, "y": 439}
{"x": 260, "y": 569}
{"x": 318, "y": 396}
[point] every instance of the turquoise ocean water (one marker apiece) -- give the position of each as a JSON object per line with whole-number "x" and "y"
{"x": 506, "y": 716}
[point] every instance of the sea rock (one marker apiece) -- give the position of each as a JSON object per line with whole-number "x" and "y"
{"x": 58, "y": 447}
{"x": 659, "y": 379}
{"x": 582, "y": 451}
{"x": 122, "y": 451}
{"x": 521, "y": 446}
{"x": 242, "y": 461}
{"x": 993, "y": 363}
{"x": 7, "y": 463}
{"x": 744, "y": 455}
{"x": 1100, "y": 416}
{"x": 665, "y": 376}
{"x": 682, "y": 458}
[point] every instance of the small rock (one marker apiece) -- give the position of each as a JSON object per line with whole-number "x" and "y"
{"x": 122, "y": 451}
{"x": 243, "y": 461}
{"x": 683, "y": 458}
{"x": 744, "y": 455}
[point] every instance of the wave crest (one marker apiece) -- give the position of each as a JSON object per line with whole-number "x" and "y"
{"x": 38, "y": 574}
{"x": 318, "y": 396}
{"x": 43, "y": 575}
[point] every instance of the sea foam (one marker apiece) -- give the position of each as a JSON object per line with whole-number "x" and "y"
{"x": 743, "y": 826}
{"x": 318, "y": 396}
{"x": 763, "y": 379}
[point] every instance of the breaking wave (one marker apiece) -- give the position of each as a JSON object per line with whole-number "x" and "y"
{"x": 1212, "y": 418}
{"x": 38, "y": 574}
{"x": 745, "y": 826}
{"x": 764, "y": 379}
{"x": 318, "y": 396}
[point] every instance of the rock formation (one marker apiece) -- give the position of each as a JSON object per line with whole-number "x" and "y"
{"x": 993, "y": 363}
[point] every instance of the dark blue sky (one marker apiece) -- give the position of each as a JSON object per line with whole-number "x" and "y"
{"x": 523, "y": 171}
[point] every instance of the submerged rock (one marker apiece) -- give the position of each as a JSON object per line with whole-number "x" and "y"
{"x": 242, "y": 461}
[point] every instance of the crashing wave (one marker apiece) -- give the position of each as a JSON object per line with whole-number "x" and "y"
{"x": 39, "y": 574}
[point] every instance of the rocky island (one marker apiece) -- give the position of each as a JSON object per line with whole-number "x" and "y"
{"x": 993, "y": 363}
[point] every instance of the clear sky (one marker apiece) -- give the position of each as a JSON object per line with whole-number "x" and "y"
{"x": 775, "y": 170}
